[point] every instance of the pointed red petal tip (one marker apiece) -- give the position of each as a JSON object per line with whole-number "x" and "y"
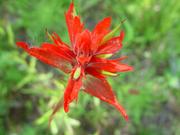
{"x": 127, "y": 118}
{"x": 130, "y": 68}
{"x": 66, "y": 107}
{"x": 102, "y": 90}
{"x": 23, "y": 45}
{"x": 121, "y": 110}
{"x": 102, "y": 27}
{"x": 122, "y": 34}
{"x": 73, "y": 23}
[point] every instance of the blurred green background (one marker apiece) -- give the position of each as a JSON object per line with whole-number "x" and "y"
{"x": 150, "y": 94}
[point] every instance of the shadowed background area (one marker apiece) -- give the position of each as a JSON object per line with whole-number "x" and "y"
{"x": 151, "y": 93}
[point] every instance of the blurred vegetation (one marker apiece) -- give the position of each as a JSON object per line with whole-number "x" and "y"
{"x": 150, "y": 94}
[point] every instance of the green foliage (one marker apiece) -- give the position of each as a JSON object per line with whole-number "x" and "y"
{"x": 150, "y": 94}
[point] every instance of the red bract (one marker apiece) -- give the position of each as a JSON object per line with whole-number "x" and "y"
{"x": 85, "y": 59}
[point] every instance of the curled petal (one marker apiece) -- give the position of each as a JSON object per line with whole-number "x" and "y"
{"x": 47, "y": 56}
{"x": 102, "y": 90}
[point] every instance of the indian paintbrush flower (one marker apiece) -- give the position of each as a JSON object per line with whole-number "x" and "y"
{"x": 86, "y": 59}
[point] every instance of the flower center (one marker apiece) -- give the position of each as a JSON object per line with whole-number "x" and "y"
{"x": 83, "y": 60}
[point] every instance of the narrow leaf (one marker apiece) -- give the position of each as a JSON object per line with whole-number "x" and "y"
{"x": 112, "y": 33}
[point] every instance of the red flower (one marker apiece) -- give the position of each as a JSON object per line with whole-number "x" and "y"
{"x": 85, "y": 59}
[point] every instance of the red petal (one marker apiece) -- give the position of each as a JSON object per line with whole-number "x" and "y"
{"x": 102, "y": 27}
{"x": 47, "y": 56}
{"x": 92, "y": 71}
{"x": 82, "y": 44}
{"x": 109, "y": 65}
{"x": 72, "y": 90}
{"x": 100, "y": 30}
{"x": 120, "y": 59}
{"x": 73, "y": 23}
{"x": 102, "y": 90}
{"x": 58, "y": 41}
{"x": 112, "y": 46}
{"x": 61, "y": 51}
